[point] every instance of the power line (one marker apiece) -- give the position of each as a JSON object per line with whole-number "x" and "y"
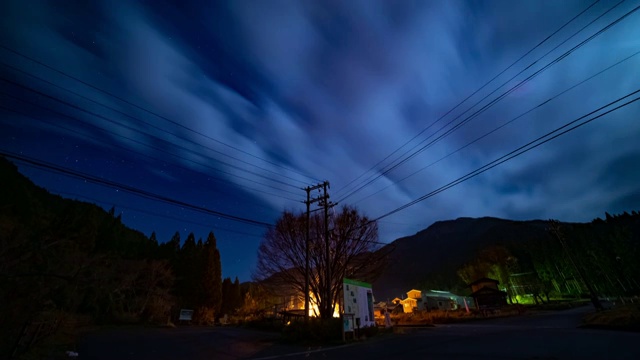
{"x": 127, "y": 188}
{"x": 147, "y": 110}
{"x": 391, "y": 167}
{"x": 496, "y": 100}
{"x": 472, "y": 94}
{"x": 503, "y": 125}
{"x": 216, "y": 228}
{"x": 156, "y": 147}
{"x": 146, "y": 145}
{"x": 521, "y": 150}
{"x": 145, "y": 122}
{"x": 133, "y": 129}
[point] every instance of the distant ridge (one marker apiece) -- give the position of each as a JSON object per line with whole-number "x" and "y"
{"x": 446, "y": 245}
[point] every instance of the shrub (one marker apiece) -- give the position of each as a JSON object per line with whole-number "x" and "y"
{"x": 626, "y": 317}
{"x": 316, "y": 331}
{"x": 267, "y": 324}
{"x": 369, "y": 331}
{"x": 421, "y": 317}
{"x": 204, "y": 316}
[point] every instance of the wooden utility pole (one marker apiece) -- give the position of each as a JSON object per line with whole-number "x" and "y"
{"x": 308, "y": 202}
{"x": 325, "y": 204}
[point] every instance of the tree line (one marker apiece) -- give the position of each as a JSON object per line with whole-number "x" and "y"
{"x": 65, "y": 261}
{"x": 564, "y": 260}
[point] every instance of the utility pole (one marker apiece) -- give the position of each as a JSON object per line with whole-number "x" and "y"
{"x": 325, "y": 204}
{"x": 555, "y": 229}
{"x": 308, "y": 202}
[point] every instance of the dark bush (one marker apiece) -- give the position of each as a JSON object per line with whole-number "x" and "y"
{"x": 316, "y": 331}
{"x": 267, "y": 324}
{"x": 369, "y": 331}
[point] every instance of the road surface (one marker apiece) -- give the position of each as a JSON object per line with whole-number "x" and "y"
{"x": 219, "y": 343}
{"x": 552, "y": 335}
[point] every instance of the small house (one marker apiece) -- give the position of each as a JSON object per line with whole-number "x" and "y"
{"x": 414, "y": 294}
{"x": 438, "y": 303}
{"x": 409, "y": 304}
{"x": 381, "y": 308}
{"x": 486, "y": 294}
{"x": 413, "y": 301}
{"x": 445, "y": 300}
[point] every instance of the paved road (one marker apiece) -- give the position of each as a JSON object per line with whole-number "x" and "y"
{"x": 179, "y": 343}
{"x": 538, "y": 336}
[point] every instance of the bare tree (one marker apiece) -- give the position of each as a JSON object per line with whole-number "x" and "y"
{"x": 353, "y": 248}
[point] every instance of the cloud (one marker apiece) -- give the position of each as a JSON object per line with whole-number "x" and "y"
{"x": 331, "y": 88}
{"x": 355, "y": 70}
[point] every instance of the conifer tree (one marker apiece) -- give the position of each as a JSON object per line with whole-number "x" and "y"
{"x": 169, "y": 250}
{"x": 212, "y": 279}
{"x": 189, "y": 273}
{"x": 237, "y": 294}
{"x": 227, "y": 297}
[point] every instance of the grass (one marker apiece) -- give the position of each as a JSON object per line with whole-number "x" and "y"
{"x": 555, "y": 305}
{"x": 432, "y": 317}
{"x": 625, "y": 317}
{"x": 71, "y": 329}
{"x": 64, "y": 339}
{"x": 424, "y": 318}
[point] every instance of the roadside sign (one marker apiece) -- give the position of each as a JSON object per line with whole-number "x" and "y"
{"x": 185, "y": 315}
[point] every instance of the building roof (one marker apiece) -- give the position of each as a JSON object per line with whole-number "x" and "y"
{"x": 356, "y": 283}
{"x": 438, "y": 293}
{"x": 482, "y": 280}
{"x": 486, "y": 290}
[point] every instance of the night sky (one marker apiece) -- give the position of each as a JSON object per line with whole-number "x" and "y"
{"x": 235, "y": 106}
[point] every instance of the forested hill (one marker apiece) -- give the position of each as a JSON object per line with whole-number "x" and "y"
{"x": 33, "y": 212}
{"x": 61, "y": 258}
{"x": 449, "y": 253}
{"x": 443, "y": 247}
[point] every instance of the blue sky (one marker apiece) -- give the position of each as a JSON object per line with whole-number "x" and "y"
{"x": 237, "y": 105}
